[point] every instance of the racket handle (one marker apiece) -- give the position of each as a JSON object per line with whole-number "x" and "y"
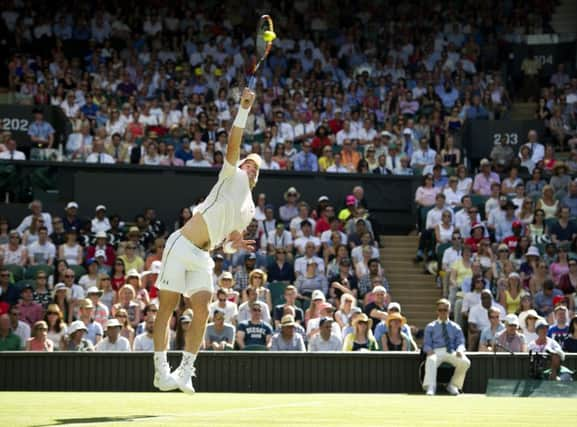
{"x": 252, "y": 82}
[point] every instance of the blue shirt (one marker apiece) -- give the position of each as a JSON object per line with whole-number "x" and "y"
{"x": 255, "y": 334}
{"x": 434, "y": 337}
{"x": 381, "y": 330}
{"x": 543, "y": 303}
{"x": 40, "y": 130}
{"x": 466, "y": 285}
{"x": 306, "y": 162}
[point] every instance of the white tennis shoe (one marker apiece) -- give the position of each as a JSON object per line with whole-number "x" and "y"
{"x": 182, "y": 377}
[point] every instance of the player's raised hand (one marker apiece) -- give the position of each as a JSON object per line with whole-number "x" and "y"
{"x": 247, "y": 98}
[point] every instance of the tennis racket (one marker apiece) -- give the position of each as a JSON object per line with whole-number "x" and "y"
{"x": 264, "y": 38}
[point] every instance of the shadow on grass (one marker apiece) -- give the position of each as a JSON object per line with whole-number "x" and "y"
{"x": 96, "y": 420}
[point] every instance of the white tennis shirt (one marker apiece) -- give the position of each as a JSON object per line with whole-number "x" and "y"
{"x": 229, "y": 206}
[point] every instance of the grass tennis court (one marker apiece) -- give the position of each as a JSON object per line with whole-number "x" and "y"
{"x": 205, "y": 409}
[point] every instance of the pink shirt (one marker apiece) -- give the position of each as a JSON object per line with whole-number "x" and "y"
{"x": 30, "y": 312}
{"x": 426, "y": 196}
{"x": 557, "y": 270}
{"x": 482, "y": 183}
{"x": 37, "y": 345}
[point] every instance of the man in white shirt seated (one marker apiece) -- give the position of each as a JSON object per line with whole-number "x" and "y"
{"x": 42, "y": 251}
{"x": 296, "y": 222}
{"x": 11, "y": 152}
{"x": 99, "y": 155}
{"x": 113, "y": 341}
{"x": 198, "y": 160}
{"x": 307, "y": 236}
{"x": 424, "y": 156}
{"x": 302, "y": 262}
{"x": 479, "y": 318}
{"x": 337, "y": 166}
{"x": 346, "y": 133}
{"x": 144, "y": 341}
{"x": 536, "y": 148}
{"x": 325, "y": 340}
{"x": 267, "y": 161}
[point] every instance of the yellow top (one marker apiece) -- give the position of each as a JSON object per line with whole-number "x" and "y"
{"x": 512, "y": 304}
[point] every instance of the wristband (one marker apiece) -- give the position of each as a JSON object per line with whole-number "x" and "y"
{"x": 241, "y": 118}
{"x": 227, "y": 248}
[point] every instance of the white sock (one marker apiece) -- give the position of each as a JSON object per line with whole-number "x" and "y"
{"x": 160, "y": 359}
{"x": 188, "y": 360}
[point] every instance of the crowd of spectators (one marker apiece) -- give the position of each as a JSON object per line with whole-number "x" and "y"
{"x": 71, "y": 279}
{"x": 503, "y": 242}
{"x": 354, "y": 88}
{"x": 383, "y": 90}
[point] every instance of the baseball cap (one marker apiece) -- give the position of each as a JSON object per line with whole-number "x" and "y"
{"x": 325, "y": 305}
{"x": 323, "y": 199}
{"x": 113, "y": 323}
{"x": 100, "y": 253}
{"x": 512, "y": 319}
{"x": 100, "y": 208}
{"x": 71, "y": 205}
{"x": 251, "y": 256}
{"x": 325, "y": 320}
{"x": 394, "y": 305}
{"x": 318, "y": 294}
{"x": 93, "y": 290}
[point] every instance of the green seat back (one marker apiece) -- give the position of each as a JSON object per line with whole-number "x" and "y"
{"x": 79, "y": 271}
{"x": 277, "y": 292}
{"x": 255, "y": 347}
{"x": 16, "y": 271}
{"x": 33, "y": 270}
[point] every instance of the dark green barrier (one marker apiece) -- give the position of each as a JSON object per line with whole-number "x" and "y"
{"x": 258, "y": 372}
{"x": 126, "y": 190}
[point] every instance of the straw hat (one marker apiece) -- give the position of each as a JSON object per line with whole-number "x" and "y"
{"x": 363, "y": 318}
{"x": 395, "y": 316}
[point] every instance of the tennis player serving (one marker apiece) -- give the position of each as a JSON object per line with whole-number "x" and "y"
{"x": 186, "y": 262}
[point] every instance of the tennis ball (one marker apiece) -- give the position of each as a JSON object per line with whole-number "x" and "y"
{"x": 269, "y": 36}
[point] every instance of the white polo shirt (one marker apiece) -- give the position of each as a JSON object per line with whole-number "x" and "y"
{"x": 229, "y": 206}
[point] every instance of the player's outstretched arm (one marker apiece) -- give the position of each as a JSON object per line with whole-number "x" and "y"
{"x": 235, "y": 136}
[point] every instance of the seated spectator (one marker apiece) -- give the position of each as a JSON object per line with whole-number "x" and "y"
{"x": 305, "y": 160}
{"x": 12, "y": 153}
{"x": 306, "y": 237}
{"x": 484, "y": 179}
{"x": 394, "y": 339}
{"x": 563, "y": 230}
{"x": 543, "y": 300}
{"x": 510, "y": 295}
{"x": 113, "y": 341}
{"x": 326, "y": 339}
{"x": 127, "y": 302}
{"x": 511, "y": 339}
{"x": 30, "y": 311}
{"x": 144, "y": 341}
{"x": 9, "y": 341}
{"x": 444, "y": 342}
{"x": 56, "y": 327}
{"x": 534, "y": 186}
{"x": 245, "y": 309}
{"x": 151, "y": 310}
{"x": 311, "y": 280}
{"x": 75, "y": 340}
{"x": 280, "y": 238}
{"x": 222, "y": 304}
{"x": 71, "y": 250}
{"x": 559, "y": 331}
{"x": 14, "y": 252}
{"x": 479, "y": 318}
{"x": 362, "y": 338}
{"x": 543, "y": 344}
{"x": 281, "y": 270}
{"x": 39, "y": 340}
{"x": 257, "y": 280}
{"x": 345, "y": 309}
{"x": 243, "y": 272}
{"x": 219, "y": 335}
{"x": 489, "y": 332}
{"x": 560, "y": 266}
{"x": 376, "y": 309}
{"x": 290, "y": 296}
{"x": 536, "y": 149}
{"x": 254, "y": 332}
{"x": 527, "y": 321}
{"x": 98, "y": 154}
{"x": 287, "y": 339}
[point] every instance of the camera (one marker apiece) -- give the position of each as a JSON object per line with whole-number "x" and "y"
{"x": 537, "y": 364}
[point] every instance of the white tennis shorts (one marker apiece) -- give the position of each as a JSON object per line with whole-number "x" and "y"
{"x": 186, "y": 269}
